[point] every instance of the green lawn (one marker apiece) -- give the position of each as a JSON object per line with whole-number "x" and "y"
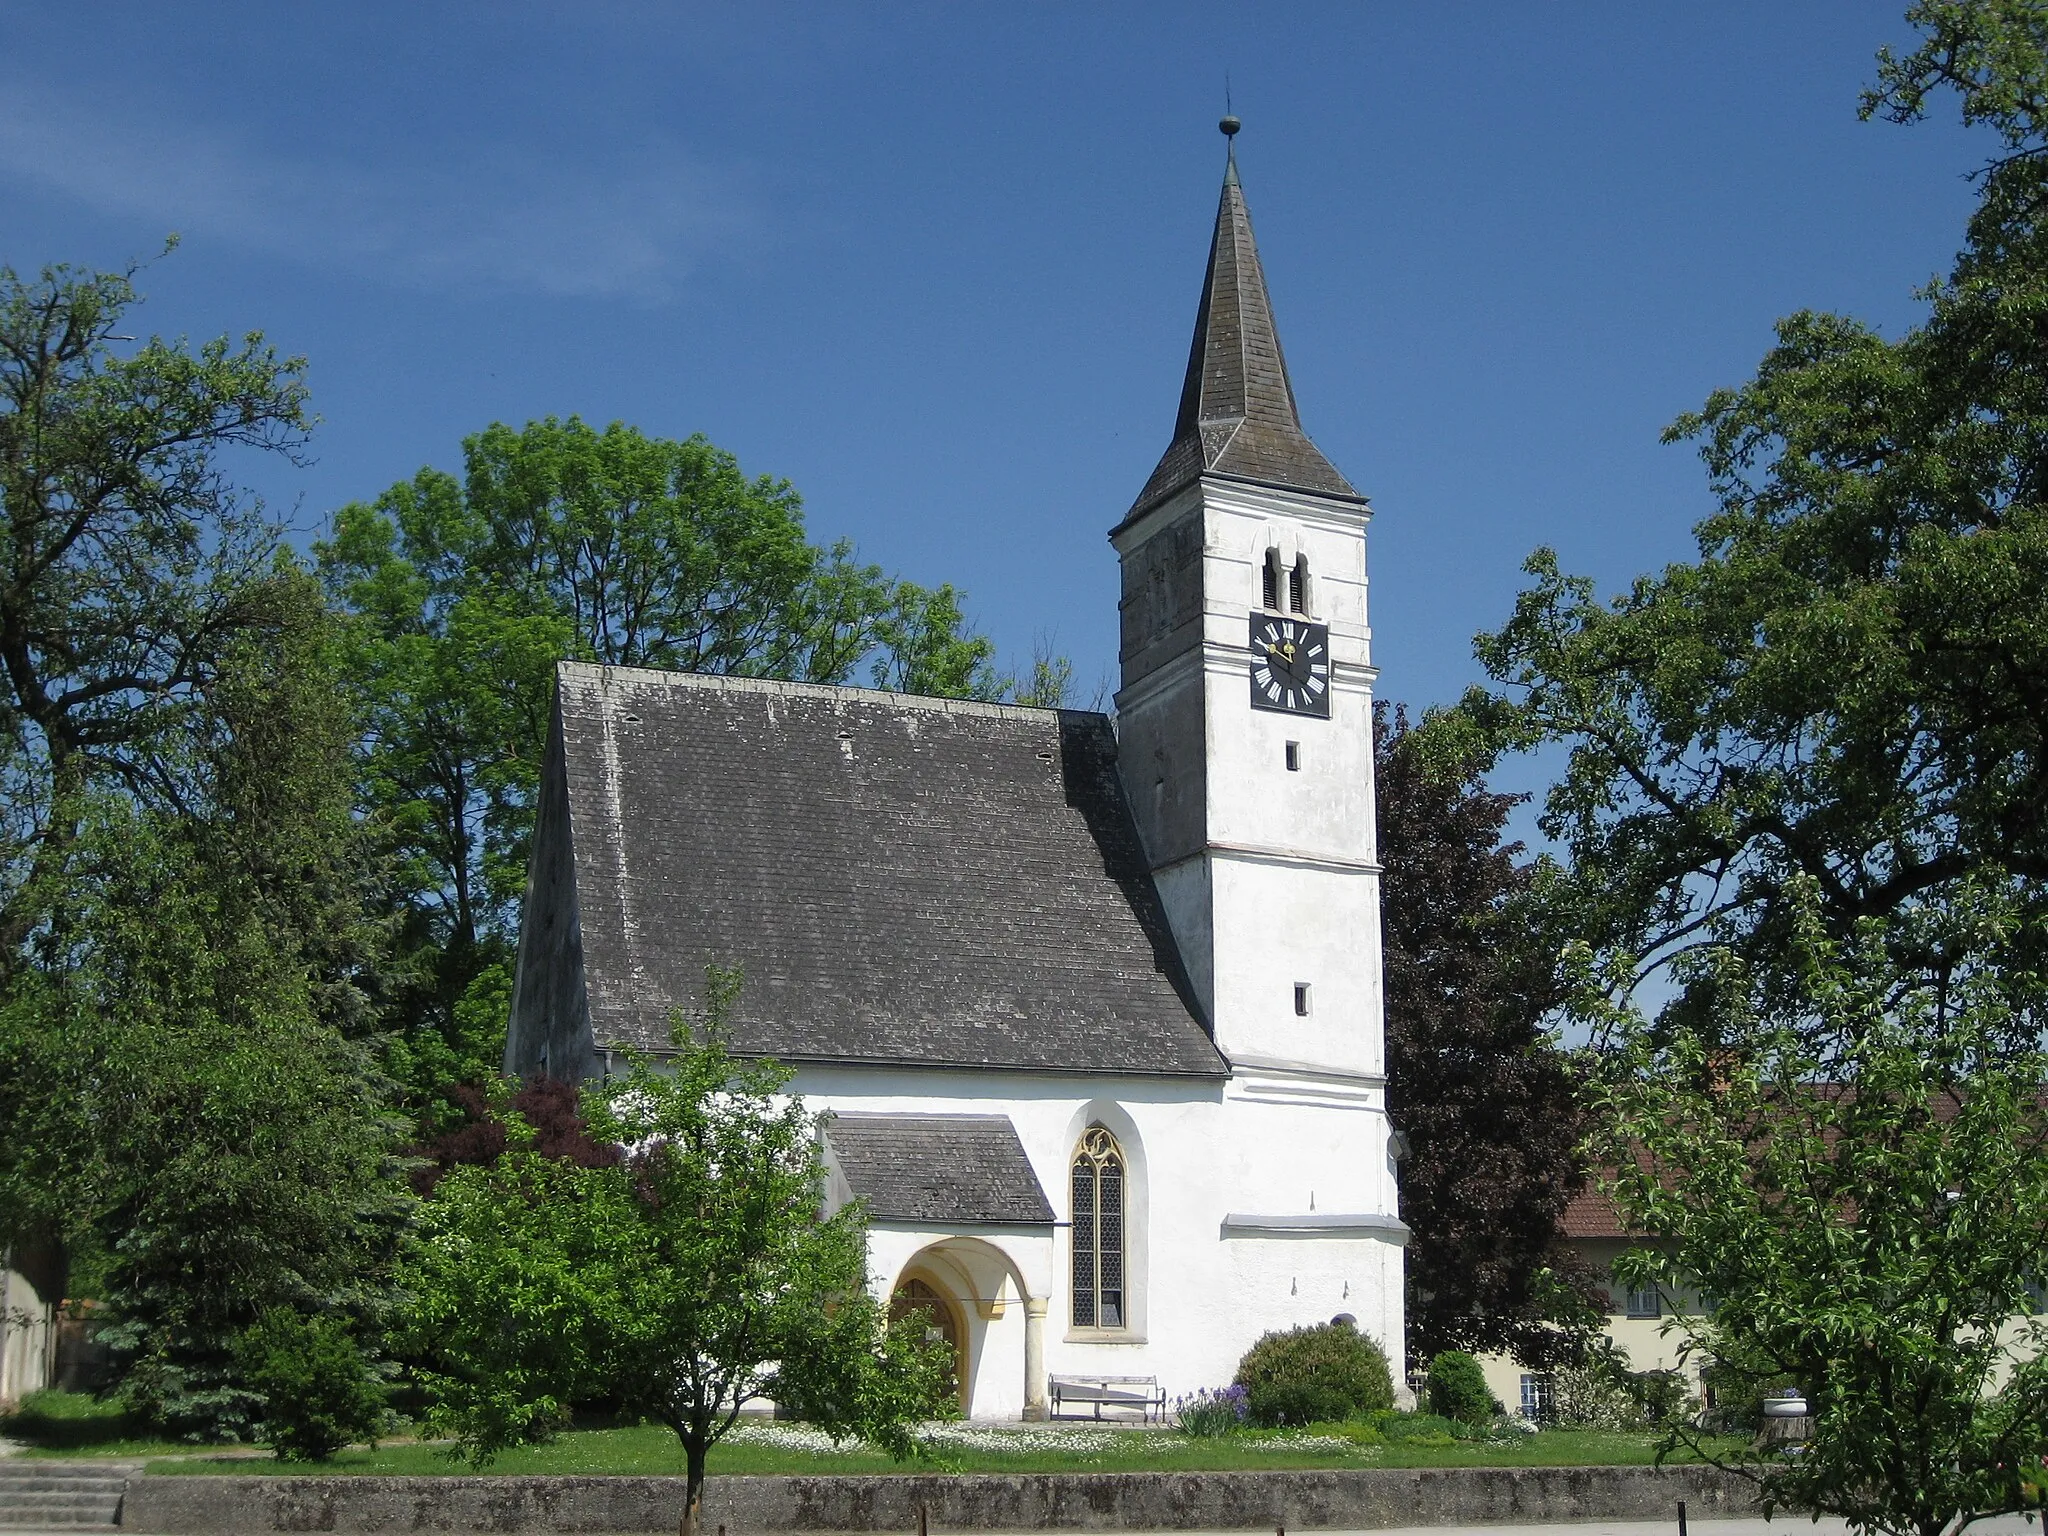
{"x": 64, "y": 1425}
{"x": 768, "y": 1449}
{"x": 74, "y": 1424}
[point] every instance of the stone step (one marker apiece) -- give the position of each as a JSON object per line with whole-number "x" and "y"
{"x": 39, "y": 1514}
{"x": 14, "y": 1487}
{"x": 59, "y": 1495}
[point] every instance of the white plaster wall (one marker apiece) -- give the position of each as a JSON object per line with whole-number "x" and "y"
{"x": 1325, "y": 810}
{"x": 1258, "y": 1146}
{"x": 1286, "y": 886}
{"x": 1277, "y": 926}
{"x": 28, "y": 1337}
{"x": 1282, "y": 888}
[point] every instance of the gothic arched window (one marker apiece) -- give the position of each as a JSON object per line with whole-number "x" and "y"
{"x": 1099, "y": 1232}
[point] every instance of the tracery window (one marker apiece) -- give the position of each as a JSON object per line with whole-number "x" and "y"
{"x": 1099, "y": 1232}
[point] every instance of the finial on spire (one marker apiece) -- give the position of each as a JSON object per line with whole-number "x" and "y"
{"x": 1230, "y": 125}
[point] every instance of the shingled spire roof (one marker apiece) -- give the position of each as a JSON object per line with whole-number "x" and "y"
{"x": 1237, "y": 414}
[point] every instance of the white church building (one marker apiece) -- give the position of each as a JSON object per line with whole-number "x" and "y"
{"x": 1094, "y": 1003}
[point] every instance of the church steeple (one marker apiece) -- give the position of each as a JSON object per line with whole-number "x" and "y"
{"x": 1237, "y": 414}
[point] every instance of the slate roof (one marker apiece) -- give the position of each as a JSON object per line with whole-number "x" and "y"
{"x": 1237, "y": 413}
{"x": 944, "y": 1169}
{"x": 901, "y": 880}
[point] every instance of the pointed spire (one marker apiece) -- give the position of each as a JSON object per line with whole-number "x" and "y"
{"x": 1237, "y": 414}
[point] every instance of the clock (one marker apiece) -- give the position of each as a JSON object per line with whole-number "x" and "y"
{"x": 1290, "y": 665}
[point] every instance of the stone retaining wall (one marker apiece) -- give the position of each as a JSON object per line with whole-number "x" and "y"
{"x": 1353, "y": 1499}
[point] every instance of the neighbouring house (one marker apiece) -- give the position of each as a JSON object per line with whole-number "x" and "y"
{"x": 1094, "y": 1004}
{"x": 1592, "y": 1229}
{"x": 31, "y": 1290}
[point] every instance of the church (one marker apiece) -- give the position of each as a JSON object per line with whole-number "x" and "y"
{"x": 1091, "y": 1004}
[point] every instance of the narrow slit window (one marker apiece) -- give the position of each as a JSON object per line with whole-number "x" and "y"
{"x": 1269, "y": 591}
{"x": 1294, "y": 757}
{"x": 1301, "y": 999}
{"x": 1297, "y": 586}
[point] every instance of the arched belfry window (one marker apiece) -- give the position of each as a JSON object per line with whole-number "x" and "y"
{"x": 1099, "y": 1232}
{"x": 1269, "y": 588}
{"x": 1297, "y": 586}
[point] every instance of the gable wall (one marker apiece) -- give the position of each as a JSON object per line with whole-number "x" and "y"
{"x": 550, "y": 1003}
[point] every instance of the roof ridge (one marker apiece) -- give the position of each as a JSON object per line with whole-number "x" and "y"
{"x": 725, "y": 682}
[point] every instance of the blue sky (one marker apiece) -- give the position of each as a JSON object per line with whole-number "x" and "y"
{"x": 938, "y": 264}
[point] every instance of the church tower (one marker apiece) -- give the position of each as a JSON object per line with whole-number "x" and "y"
{"x": 1245, "y": 713}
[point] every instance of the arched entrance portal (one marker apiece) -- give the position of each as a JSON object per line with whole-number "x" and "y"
{"x": 919, "y": 1295}
{"x": 972, "y": 1292}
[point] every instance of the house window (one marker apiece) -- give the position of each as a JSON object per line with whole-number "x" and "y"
{"x": 1645, "y": 1303}
{"x": 1297, "y": 586}
{"x": 1536, "y": 1398}
{"x": 1099, "y": 1232}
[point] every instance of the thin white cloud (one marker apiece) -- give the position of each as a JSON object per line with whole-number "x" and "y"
{"x": 630, "y": 227}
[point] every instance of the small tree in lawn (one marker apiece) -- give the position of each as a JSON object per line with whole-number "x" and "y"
{"x": 692, "y": 1277}
{"x": 1859, "y": 1181}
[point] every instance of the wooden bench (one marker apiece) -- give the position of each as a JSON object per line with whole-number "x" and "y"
{"x": 1119, "y": 1394}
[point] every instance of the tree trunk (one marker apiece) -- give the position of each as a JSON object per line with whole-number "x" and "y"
{"x": 693, "y": 1488}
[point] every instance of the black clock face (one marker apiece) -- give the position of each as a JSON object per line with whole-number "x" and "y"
{"x": 1290, "y": 665}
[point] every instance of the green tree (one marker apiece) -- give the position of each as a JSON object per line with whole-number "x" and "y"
{"x": 564, "y": 541}
{"x": 134, "y": 576}
{"x": 1804, "y": 787}
{"x": 318, "y": 1391}
{"x": 130, "y": 562}
{"x": 185, "y": 1050}
{"x": 694, "y": 1277}
{"x": 1857, "y": 1174}
{"x": 1845, "y": 687}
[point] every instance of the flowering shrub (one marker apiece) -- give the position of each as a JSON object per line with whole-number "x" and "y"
{"x": 1213, "y": 1410}
{"x": 1323, "y": 1374}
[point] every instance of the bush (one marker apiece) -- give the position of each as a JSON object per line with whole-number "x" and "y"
{"x": 319, "y": 1393}
{"x": 1211, "y": 1411}
{"x": 1327, "y": 1372}
{"x": 1457, "y": 1389}
{"x": 1592, "y": 1396}
{"x": 1663, "y": 1396}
